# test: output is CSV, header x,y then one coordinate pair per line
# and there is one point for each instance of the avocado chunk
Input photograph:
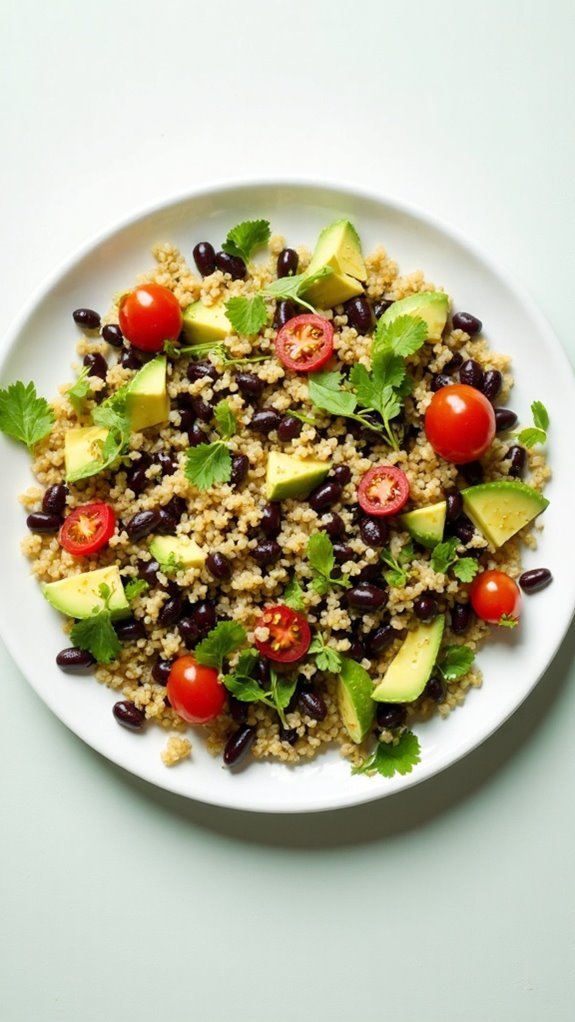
x,y
288,476
203,324
426,524
410,669
339,249
354,691
431,306
501,509
79,595
176,551
82,447
147,401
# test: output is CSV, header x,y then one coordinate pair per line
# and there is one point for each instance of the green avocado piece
x,y
339,248
177,550
502,508
431,306
147,400
82,447
410,669
426,524
79,595
288,476
354,691
206,323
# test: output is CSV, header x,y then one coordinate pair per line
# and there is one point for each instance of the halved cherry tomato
x,y
305,343
495,595
460,423
383,490
150,315
195,691
289,634
87,529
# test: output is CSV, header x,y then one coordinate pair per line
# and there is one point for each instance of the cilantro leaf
x,y
282,689
247,315
96,635
111,416
226,422
396,575
403,336
291,288
455,662
536,434
303,418
465,568
293,595
326,659
443,555
244,687
224,639
326,393
208,464
23,415
321,557
135,587
391,759
79,391
243,239
540,415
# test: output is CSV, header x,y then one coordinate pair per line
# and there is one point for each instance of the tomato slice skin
x,y
305,343
460,423
383,490
195,692
87,529
290,634
495,595
150,315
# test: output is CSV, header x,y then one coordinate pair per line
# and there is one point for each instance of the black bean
x,y
250,384
464,529
201,371
505,419
439,380
471,373
341,474
460,618
287,263
238,709
171,612
240,468
167,464
129,359
204,258
435,689
454,362
285,311
96,365
324,495
472,471
391,715
86,318
167,524
359,314
380,638
366,596
231,264
271,521
161,671
39,521
204,617
113,335
535,579
373,531
142,524
342,553
54,499
74,660
264,421
196,435
381,306
356,649
202,409
187,420
176,506
371,573
128,715
492,383
189,633
148,571
266,552
239,744
136,479
219,566
333,525
288,734
426,607
262,672
454,505
289,428
465,321
130,630
518,458
312,705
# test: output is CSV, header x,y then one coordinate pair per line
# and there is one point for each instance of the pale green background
x,y
454,901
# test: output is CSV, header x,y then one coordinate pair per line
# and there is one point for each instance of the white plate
x,y
42,346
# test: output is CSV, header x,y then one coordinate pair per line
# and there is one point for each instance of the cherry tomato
x,y
150,315
383,490
460,423
494,595
305,343
195,691
87,529
289,634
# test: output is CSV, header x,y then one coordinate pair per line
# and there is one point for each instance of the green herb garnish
x,y
396,575
96,633
226,422
208,464
326,659
23,415
455,662
241,684
393,758
444,557
135,587
243,239
223,640
293,595
249,315
321,557
536,434
111,416
79,391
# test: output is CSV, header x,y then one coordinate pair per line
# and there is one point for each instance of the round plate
x,y
42,347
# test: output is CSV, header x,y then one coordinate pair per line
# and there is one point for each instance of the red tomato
x,y
195,691
494,595
87,529
289,634
460,423
305,343
383,490
150,315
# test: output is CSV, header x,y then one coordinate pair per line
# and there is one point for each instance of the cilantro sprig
x,y
23,415
293,595
241,684
211,463
326,658
321,557
134,588
396,574
455,662
223,640
79,391
243,239
111,416
444,557
398,757
216,348
536,434
96,634
249,315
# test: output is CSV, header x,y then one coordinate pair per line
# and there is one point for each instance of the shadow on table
x,y
387,817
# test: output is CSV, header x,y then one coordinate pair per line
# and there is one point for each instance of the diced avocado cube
x,y
431,306
203,324
288,476
80,595
176,551
354,698
333,289
338,248
82,447
502,508
147,400
410,669
426,524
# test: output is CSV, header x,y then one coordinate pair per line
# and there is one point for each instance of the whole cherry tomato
x,y
460,423
150,315
195,691
495,597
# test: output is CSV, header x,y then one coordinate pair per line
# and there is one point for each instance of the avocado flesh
x,y
338,247
79,595
501,509
354,698
82,447
288,476
410,669
147,400
179,549
203,324
426,524
333,289
430,306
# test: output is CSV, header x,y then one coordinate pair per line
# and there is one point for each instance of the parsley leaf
x,y
224,639
79,391
23,415
444,556
455,662
326,659
293,595
391,759
135,587
226,422
244,238
247,315
321,557
207,464
536,434
96,634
